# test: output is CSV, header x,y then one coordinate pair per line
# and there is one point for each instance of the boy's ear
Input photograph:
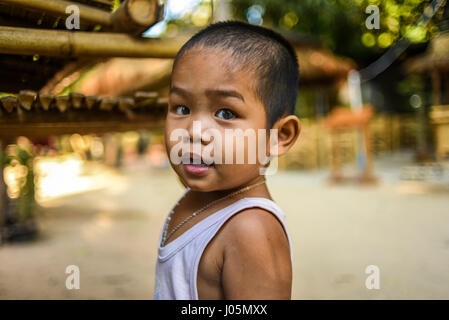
x,y
288,128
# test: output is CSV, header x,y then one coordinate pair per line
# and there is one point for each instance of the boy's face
x,y
209,88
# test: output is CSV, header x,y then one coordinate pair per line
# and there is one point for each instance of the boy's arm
x,y
256,257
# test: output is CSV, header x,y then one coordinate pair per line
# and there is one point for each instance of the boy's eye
x,y
181,110
225,114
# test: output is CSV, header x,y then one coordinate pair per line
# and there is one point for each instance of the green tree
x,y
340,24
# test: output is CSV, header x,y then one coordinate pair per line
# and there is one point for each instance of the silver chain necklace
x,y
165,237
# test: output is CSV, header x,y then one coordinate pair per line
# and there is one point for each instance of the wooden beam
x,y
57,43
133,16
9,130
136,16
40,115
87,13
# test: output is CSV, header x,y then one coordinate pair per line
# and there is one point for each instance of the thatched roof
x,y
437,56
319,65
121,76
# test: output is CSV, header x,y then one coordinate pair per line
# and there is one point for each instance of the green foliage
x,y
115,5
340,24
25,204
397,19
411,85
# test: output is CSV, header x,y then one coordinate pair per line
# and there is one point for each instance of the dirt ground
x,y
111,234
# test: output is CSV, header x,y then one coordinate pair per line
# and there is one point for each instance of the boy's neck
x,y
258,191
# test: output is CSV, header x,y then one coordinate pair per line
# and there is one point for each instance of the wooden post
x,y
446,89
436,85
367,175
336,175
342,119
3,195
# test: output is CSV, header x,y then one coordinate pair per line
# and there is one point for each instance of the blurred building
x,y
434,63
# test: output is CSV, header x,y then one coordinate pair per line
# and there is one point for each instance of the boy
x,y
225,238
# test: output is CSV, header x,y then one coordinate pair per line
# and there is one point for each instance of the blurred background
x,y
85,180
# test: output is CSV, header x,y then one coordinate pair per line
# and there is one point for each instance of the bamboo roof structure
x,y
35,44
38,52
39,57
35,114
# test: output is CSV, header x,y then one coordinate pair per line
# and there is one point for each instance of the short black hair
x,y
264,51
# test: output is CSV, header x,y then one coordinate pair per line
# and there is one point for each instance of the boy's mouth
x,y
195,164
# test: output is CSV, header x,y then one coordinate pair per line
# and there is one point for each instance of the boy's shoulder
x,y
256,259
253,228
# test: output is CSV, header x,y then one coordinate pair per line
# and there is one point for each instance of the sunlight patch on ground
x,y
61,176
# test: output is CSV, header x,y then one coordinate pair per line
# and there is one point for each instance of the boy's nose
x,y
196,130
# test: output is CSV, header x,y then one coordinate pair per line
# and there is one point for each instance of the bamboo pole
x,y
76,44
136,16
87,13
133,16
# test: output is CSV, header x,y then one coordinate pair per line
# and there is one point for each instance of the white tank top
x,y
177,263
